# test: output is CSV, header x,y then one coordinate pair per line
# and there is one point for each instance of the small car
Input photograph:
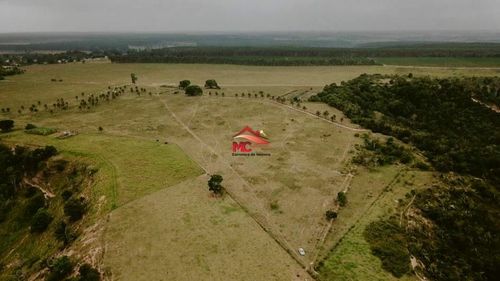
x,y
302,252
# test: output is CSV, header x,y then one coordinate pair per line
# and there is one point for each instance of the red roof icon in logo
x,y
251,135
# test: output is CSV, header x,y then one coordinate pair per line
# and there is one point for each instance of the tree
x,y
134,78
75,208
341,198
326,113
6,125
193,90
34,204
41,220
184,83
211,84
61,268
88,273
63,233
214,184
330,215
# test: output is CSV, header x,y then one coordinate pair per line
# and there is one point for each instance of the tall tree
x,y
214,184
134,78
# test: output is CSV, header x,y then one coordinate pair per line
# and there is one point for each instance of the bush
x,y
387,242
29,126
331,215
61,268
274,205
41,131
184,84
6,125
64,233
193,90
66,194
341,198
75,208
211,84
41,220
88,273
214,184
34,203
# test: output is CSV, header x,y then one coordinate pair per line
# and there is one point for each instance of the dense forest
x,y
455,236
300,55
259,55
243,56
438,116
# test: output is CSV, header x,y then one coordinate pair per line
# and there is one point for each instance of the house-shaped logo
x,y
246,137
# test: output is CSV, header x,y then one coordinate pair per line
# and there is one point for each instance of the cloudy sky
x,y
248,15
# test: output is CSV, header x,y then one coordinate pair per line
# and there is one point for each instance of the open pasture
x,y
154,150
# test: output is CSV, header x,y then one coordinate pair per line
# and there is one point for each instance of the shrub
x,y
75,208
64,233
29,126
193,90
41,220
330,215
41,131
61,268
6,125
274,205
34,203
184,83
211,84
66,194
214,184
341,198
88,273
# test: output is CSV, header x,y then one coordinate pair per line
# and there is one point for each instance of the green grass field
x,y
154,150
133,167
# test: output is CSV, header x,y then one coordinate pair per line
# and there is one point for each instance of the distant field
x,y
35,85
441,61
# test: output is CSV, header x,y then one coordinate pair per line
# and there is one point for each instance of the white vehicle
x,y
302,252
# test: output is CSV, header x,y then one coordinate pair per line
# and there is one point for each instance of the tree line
x,y
301,55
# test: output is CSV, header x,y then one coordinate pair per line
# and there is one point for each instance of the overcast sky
x,y
248,15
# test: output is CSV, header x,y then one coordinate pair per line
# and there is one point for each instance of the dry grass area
x,y
290,190
184,233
